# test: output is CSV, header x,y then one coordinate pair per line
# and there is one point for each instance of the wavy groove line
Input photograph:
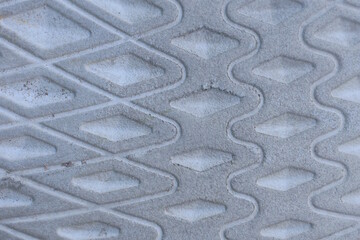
x,y
329,162
252,146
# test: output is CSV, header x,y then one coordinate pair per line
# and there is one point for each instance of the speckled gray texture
x,y
179,119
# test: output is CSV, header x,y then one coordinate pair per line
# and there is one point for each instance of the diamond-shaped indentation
x,y
104,182
89,231
271,11
116,128
286,125
286,179
342,31
283,69
21,200
25,147
195,210
352,147
286,229
94,225
36,92
349,91
205,103
205,43
125,70
131,12
10,198
202,159
352,197
45,28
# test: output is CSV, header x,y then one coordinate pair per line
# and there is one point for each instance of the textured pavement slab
x,y
179,119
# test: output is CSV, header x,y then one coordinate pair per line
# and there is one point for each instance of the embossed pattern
x,y
176,119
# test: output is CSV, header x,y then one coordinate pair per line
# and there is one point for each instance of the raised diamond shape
x,y
285,179
271,11
283,69
36,92
349,91
286,229
125,70
206,102
286,125
25,147
116,128
341,31
205,43
89,231
45,28
202,159
131,12
195,210
352,147
352,198
10,198
104,182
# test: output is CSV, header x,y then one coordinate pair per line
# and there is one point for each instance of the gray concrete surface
x,y
179,119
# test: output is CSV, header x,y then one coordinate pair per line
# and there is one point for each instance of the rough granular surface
x,y
179,119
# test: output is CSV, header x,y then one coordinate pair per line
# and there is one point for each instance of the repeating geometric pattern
x,y
177,119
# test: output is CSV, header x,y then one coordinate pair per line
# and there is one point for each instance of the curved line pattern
x,y
252,146
166,26
88,205
332,163
255,148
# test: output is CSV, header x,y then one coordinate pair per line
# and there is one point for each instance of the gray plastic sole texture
x,y
179,119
